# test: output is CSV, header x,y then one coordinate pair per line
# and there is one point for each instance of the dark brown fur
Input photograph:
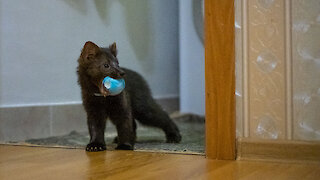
x,y
134,103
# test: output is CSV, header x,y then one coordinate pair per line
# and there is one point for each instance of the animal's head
x,y
97,63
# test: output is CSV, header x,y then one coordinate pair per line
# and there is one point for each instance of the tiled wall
x,y
278,69
21,123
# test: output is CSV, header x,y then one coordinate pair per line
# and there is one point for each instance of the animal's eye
x,y
106,65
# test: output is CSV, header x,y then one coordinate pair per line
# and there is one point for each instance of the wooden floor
x,y
20,162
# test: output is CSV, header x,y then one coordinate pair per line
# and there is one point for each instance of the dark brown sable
x,y
135,102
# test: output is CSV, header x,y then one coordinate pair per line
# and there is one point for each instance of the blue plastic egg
x,y
114,86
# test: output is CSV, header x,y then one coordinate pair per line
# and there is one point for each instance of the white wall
x,y
192,89
40,41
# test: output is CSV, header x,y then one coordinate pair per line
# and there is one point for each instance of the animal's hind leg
x,y
152,114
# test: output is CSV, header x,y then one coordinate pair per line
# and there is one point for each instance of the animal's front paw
x,y
173,137
94,147
124,146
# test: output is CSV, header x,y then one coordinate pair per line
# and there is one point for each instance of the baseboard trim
x,y
279,150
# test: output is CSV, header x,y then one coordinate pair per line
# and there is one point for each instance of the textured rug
x,y
148,139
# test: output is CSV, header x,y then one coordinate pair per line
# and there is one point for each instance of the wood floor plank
x,y
20,162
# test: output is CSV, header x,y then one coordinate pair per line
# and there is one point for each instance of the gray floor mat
x,y
148,139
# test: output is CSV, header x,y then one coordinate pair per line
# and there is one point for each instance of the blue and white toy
x,y
114,86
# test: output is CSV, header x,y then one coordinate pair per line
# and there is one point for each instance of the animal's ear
x,y
113,49
89,51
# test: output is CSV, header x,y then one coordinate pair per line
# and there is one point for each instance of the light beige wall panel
x,y
238,68
306,69
266,69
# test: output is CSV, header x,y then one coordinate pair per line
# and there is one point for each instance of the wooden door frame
x,y
220,79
